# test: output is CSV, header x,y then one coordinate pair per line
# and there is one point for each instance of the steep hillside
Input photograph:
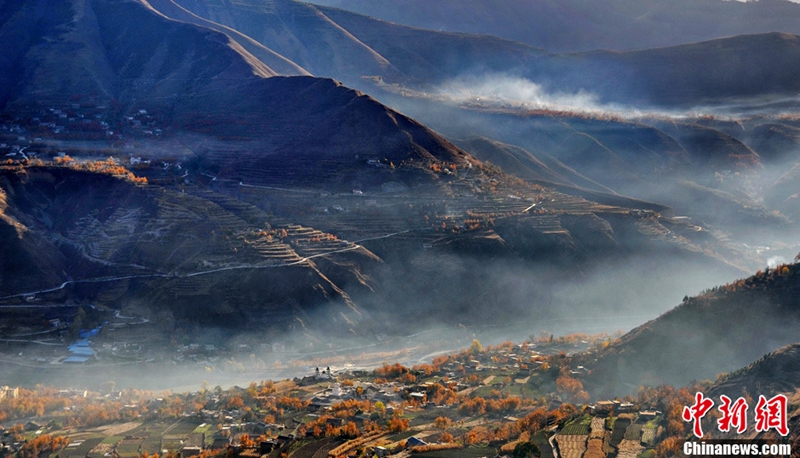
x,y
776,372
350,47
116,49
275,61
721,330
370,54
704,168
128,244
525,164
578,25
296,31
708,72
202,86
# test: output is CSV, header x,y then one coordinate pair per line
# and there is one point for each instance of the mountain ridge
x,y
721,330
575,25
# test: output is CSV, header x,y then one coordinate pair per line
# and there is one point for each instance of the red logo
x,y
733,415
696,412
772,414
769,414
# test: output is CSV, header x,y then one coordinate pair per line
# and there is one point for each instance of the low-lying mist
x,y
489,300
510,92
506,91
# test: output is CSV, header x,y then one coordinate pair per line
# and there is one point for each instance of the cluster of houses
x,y
73,120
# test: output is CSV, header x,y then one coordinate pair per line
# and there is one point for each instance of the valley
x,y
334,205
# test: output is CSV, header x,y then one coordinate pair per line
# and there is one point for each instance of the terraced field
x,y
649,434
571,446
629,449
634,432
579,426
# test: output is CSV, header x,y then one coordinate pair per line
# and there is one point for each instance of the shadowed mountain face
x,y
201,83
579,25
117,244
282,198
721,330
362,51
468,86
776,372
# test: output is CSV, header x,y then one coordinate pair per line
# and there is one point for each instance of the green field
x,y
634,432
129,448
578,426
202,428
186,427
85,447
153,443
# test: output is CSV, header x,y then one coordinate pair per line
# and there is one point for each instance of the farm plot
x,y
649,434
119,429
102,449
172,442
184,428
129,448
152,444
579,427
316,448
629,449
594,448
598,427
571,446
633,432
618,433
83,448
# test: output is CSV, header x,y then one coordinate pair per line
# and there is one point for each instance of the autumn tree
x,y
245,441
671,446
235,402
442,422
397,425
350,430
475,347
571,388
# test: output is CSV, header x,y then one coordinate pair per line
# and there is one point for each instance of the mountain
x,y
109,241
351,47
709,72
335,43
537,168
775,372
718,331
275,201
578,25
470,85
122,57
370,54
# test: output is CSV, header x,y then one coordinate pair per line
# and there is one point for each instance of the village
x,y
479,402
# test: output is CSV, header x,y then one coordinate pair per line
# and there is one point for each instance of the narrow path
x,y
354,246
